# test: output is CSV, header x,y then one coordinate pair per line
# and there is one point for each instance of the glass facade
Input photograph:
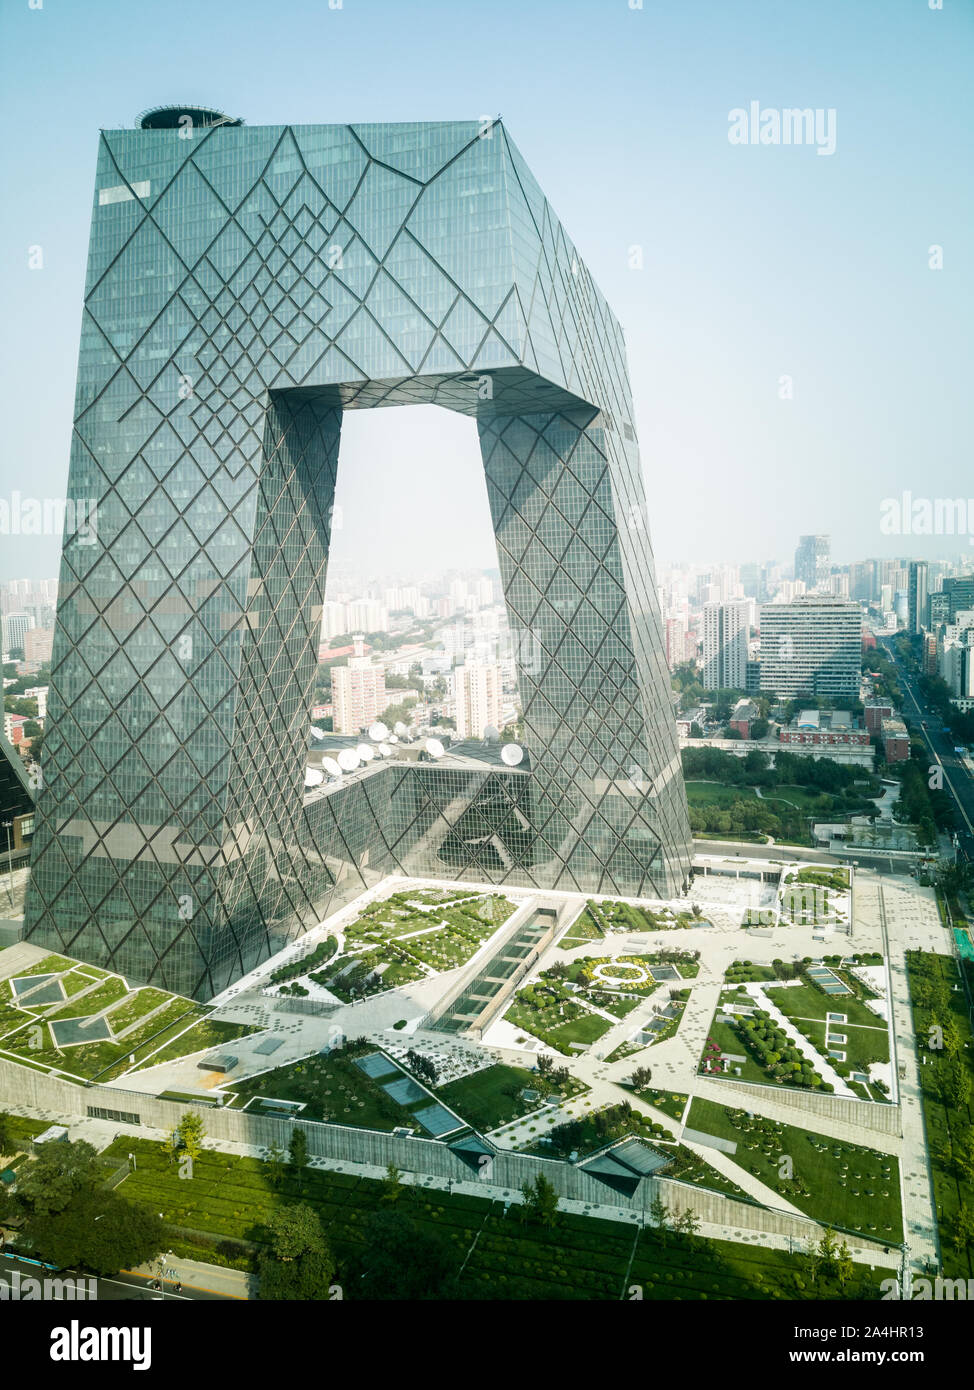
x,y
245,287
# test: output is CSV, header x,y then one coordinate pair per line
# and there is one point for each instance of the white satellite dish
x,y
492,733
313,777
348,760
434,748
384,750
393,738
317,733
331,767
366,752
400,728
377,732
512,754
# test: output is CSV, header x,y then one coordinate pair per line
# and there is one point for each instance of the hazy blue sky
x,y
758,261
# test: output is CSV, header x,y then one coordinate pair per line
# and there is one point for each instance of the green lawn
x,y
808,1001
492,1097
836,1183
945,1121
581,1258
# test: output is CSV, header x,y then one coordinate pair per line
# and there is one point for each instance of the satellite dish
x,y
366,752
434,748
331,767
400,728
512,754
412,731
348,760
377,732
313,777
492,734
384,750
393,738
317,733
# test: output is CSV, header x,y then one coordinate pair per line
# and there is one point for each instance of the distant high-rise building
x,y
917,596
812,561
358,693
725,633
675,633
812,646
368,615
478,699
37,645
15,627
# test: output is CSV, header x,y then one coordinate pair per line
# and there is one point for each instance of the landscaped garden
x,y
548,1010
408,936
130,1033
839,1184
231,1199
620,916
333,1087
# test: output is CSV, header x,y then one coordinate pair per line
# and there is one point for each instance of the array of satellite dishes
x,y
381,745
512,754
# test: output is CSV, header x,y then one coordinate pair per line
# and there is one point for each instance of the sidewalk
x,y
207,1278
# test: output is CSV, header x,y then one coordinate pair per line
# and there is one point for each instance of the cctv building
x,y
245,286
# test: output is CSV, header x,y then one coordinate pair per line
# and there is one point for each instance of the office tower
x,y
725,634
862,580
812,561
812,646
478,692
358,694
245,287
917,596
960,594
15,628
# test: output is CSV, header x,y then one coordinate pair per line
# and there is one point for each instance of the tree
x,y
275,1164
687,1223
192,1133
545,1063
844,1267
659,1211
540,1201
641,1078
299,1264
97,1230
392,1188
298,1149
964,1228
58,1173
6,1135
